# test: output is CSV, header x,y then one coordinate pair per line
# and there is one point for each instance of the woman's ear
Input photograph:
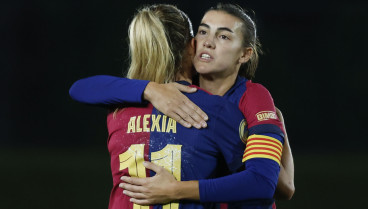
x,y
247,54
193,44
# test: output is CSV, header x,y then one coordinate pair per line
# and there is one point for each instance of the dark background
x,y
53,150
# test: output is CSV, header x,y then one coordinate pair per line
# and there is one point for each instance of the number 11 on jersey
x,y
169,158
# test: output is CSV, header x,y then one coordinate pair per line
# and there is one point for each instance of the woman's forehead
x,y
221,19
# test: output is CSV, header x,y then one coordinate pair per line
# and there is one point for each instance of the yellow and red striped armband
x,y
261,146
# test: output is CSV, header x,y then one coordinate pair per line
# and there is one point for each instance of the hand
x,y
158,189
168,99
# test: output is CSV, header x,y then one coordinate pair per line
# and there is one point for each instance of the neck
x,y
184,76
217,85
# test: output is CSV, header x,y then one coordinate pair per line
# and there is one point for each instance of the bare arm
x,y
169,99
285,186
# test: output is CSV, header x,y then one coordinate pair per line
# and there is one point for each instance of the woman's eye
x,y
224,37
202,32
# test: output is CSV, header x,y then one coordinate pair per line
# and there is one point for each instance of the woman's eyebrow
x,y
204,25
226,29
219,29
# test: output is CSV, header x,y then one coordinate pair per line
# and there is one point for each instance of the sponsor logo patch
x,y
266,115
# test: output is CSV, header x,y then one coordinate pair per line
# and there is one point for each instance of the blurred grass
x,y
56,178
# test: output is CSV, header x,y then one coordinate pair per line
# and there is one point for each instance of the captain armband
x,y
261,146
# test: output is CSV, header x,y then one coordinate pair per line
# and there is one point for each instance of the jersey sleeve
x,y
257,181
258,108
108,90
261,157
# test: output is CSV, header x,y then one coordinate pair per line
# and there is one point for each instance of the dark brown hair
x,y
250,39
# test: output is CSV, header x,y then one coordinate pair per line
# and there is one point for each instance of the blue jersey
x,y
256,104
254,186
143,133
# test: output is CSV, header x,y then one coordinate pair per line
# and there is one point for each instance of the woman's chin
x,y
203,71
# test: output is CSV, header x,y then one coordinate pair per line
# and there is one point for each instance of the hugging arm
x,y
106,90
258,181
163,187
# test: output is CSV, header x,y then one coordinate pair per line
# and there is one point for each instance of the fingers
x,y
191,112
184,88
132,188
135,195
142,201
195,113
179,119
157,169
188,112
169,99
180,115
134,180
184,118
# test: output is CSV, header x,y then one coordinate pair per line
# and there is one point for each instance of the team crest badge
x,y
243,130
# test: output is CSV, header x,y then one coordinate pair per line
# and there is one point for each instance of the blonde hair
x,y
158,35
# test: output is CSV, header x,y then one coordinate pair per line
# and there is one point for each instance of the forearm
x,y
245,185
186,190
285,186
225,189
107,90
257,181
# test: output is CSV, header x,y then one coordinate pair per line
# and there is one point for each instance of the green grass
x,y
80,178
